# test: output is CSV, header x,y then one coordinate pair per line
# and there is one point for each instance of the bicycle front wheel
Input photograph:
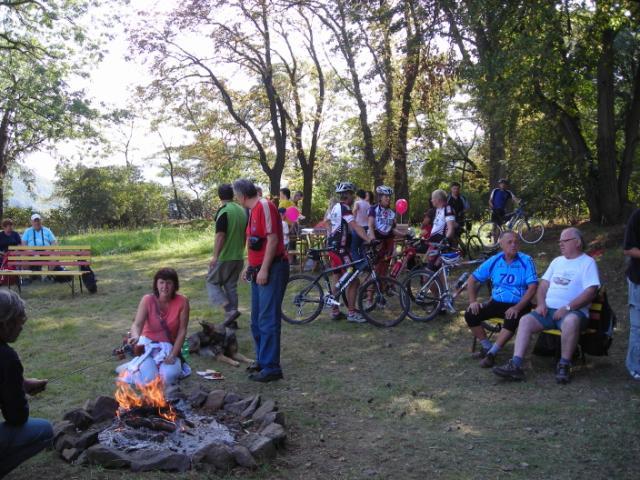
x,y
424,292
382,301
489,232
531,230
303,300
473,247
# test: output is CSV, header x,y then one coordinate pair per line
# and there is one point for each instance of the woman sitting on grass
x,y
21,437
158,332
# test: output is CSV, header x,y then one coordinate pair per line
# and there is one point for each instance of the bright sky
x,y
111,83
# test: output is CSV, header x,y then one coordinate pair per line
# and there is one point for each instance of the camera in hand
x,y
255,243
250,273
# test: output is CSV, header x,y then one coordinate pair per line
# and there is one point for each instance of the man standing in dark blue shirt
x,y
632,250
498,201
21,437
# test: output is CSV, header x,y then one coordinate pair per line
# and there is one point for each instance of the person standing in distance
x,y
227,261
498,201
268,271
632,250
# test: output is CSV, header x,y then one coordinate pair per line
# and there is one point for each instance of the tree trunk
x,y
610,207
2,177
496,150
631,139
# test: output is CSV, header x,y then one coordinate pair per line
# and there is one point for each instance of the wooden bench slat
x,y
53,273
48,253
75,263
50,247
18,258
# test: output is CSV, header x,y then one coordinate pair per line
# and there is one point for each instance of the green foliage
x,y
110,196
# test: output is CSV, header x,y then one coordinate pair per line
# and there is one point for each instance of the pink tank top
x,y
153,327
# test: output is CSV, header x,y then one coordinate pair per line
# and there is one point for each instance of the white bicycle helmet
x,y
345,187
384,190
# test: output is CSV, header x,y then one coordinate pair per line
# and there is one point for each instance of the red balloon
x,y
402,206
292,214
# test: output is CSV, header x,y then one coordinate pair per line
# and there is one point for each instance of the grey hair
x,y
441,194
504,233
579,236
11,307
245,187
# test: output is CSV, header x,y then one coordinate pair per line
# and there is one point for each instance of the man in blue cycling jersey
x,y
513,284
498,201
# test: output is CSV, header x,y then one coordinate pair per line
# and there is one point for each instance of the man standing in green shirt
x,y
227,262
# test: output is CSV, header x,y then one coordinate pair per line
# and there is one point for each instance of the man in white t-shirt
x,y
563,298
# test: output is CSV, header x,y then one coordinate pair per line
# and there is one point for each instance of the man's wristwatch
x,y
567,307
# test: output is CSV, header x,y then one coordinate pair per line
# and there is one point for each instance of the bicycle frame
x,y
330,298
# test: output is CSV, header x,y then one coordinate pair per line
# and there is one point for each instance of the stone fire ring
x,y
260,423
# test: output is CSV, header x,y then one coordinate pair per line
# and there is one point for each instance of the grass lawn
x,y
360,402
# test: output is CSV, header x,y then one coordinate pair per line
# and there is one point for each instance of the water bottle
x,y
462,279
185,351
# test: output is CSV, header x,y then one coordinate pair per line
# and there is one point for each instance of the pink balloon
x,y
402,206
292,214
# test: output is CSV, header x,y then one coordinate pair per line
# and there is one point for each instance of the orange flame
x,y
149,395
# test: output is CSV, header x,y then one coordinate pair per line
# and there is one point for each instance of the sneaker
x,y
356,317
563,373
488,361
266,377
509,371
338,315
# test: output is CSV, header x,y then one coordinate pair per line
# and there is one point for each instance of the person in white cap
x,y
38,235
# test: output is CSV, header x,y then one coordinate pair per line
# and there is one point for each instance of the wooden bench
x,y
72,258
494,325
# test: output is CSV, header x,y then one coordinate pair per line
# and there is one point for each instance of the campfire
x,y
146,427
145,406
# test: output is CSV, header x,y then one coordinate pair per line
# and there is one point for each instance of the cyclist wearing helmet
x,y
498,201
342,223
382,223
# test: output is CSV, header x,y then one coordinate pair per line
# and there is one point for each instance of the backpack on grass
x,y
89,279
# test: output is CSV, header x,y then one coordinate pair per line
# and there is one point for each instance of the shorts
x,y
549,323
493,309
497,215
337,259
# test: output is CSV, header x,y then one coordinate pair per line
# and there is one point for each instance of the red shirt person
x,y
268,272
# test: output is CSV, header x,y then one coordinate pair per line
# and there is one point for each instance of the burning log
x,y
152,423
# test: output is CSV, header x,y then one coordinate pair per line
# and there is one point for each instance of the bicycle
x,y
429,292
470,244
381,300
529,230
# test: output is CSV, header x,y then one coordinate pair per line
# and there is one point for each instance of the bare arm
x,y
632,252
541,295
451,229
512,312
217,247
272,243
372,226
582,300
182,332
138,322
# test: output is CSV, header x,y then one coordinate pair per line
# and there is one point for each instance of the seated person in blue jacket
x,y
37,235
513,284
21,437
8,236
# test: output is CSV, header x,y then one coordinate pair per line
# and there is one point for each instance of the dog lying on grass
x,y
219,342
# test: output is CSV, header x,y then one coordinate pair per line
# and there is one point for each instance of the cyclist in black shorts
x,y
498,201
